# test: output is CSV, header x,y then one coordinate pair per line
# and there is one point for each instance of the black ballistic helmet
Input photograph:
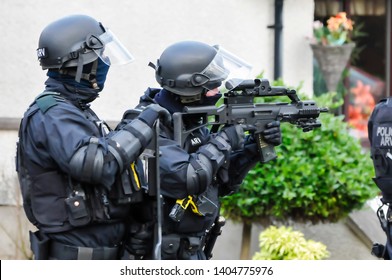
x,y
77,40
189,68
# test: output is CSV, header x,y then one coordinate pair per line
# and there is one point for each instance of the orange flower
x,y
361,106
340,20
337,32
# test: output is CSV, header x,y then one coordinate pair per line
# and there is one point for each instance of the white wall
x,y
9,193
146,28
297,55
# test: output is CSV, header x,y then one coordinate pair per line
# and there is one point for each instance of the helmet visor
x,y
113,51
225,65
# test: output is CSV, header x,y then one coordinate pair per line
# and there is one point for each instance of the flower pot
x,y
332,60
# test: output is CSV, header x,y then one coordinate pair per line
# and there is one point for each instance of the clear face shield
x,y
226,66
110,50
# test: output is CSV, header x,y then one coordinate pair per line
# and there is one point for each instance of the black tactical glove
x,y
235,135
154,111
272,134
140,240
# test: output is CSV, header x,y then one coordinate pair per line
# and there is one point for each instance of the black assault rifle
x,y
239,107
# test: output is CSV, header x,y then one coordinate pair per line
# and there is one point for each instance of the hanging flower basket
x,y
332,59
332,46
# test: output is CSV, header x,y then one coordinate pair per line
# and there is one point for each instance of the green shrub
x,y
320,175
285,244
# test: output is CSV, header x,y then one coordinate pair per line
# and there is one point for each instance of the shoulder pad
x,y
47,100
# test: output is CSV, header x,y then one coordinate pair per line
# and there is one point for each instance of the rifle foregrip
x,y
266,151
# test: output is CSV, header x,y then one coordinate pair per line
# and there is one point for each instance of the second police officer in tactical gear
x,y
208,165
79,179
379,135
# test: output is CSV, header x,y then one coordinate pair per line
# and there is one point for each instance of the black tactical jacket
x,y
174,161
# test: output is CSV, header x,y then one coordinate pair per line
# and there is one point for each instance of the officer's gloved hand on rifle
x,y
272,134
234,134
140,241
154,111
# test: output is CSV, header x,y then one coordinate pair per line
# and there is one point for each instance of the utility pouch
x,y
177,212
39,244
170,246
77,210
189,247
128,185
205,206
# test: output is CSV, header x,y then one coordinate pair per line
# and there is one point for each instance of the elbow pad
x,y
218,151
129,142
125,146
87,162
199,174
202,168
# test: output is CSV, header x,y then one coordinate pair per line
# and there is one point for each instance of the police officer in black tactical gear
x,y
379,135
208,165
79,179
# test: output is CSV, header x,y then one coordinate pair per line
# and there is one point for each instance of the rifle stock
x,y
239,107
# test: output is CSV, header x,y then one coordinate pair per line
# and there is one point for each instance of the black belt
x,y
61,251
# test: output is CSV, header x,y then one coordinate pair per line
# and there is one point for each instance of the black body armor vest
x,y
54,202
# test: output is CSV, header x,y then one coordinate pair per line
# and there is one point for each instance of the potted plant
x,y
332,46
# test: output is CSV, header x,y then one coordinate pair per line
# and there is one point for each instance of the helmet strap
x,y
79,69
93,75
90,76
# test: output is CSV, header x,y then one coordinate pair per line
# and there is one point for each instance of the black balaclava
x,y
87,90
102,72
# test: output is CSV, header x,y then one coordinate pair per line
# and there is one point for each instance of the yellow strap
x,y
194,207
184,203
133,168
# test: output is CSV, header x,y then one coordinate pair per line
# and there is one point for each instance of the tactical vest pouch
x,y
170,246
205,206
128,186
385,185
48,192
78,213
176,247
189,247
